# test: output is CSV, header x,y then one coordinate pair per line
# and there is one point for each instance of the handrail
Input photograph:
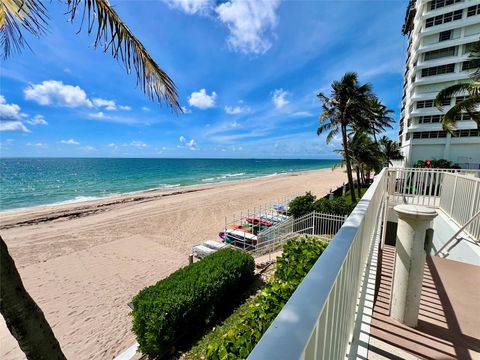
x,y
318,319
456,234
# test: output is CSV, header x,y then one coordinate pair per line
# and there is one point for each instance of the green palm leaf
x,y
113,34
15,15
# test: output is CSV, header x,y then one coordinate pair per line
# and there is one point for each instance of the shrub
x,y
337,206
302,205
297,259
307,203
186,301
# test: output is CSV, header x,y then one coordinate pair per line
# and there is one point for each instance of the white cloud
x,y
235,110
11,117
192,6
124,107
37,120
13,126
52,92
107,104
278,98
113,146
98,115
186,111
202,100
38,145
146,109
192,145
87,148
9,111
249,21
138,144
302,114
70,142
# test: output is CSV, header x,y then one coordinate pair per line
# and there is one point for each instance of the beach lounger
x,y
274,217
200,251
215,245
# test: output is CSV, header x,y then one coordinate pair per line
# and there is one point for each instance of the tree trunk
x,y
349,165
359,184
23,317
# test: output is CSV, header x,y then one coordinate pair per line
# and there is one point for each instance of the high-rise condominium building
x,y
441,34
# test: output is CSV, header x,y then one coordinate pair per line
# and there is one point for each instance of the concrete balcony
x,y
342,307
448,326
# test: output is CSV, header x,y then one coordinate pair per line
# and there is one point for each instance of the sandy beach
x,y
83,262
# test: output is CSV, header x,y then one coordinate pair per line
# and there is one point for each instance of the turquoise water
x,y
34,182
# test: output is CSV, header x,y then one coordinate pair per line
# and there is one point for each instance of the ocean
x,y
41,181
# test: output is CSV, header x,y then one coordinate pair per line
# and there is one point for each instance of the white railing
x,y
460,200
314,223
318,320
420,186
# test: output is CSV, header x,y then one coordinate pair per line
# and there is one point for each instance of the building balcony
x,y
445,329
342,307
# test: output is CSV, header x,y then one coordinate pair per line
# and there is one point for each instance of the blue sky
x,y
247,74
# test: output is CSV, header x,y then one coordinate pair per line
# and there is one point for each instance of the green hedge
x,y
297,259
186,301
307,203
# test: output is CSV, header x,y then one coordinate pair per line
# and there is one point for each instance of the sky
x,y
247,73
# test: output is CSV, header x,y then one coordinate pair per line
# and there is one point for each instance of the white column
x,y
413,223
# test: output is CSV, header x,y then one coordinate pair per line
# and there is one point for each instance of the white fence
x,y
460,200
314,223
318,320
420,186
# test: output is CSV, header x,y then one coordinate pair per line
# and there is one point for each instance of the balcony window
x,y
463,117
429,134
429,119
469,47
440,53
422,104
438,70
437,4
445,35
473,10
459,98
466,133
444,18
470,65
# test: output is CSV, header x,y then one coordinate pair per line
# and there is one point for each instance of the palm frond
x,y
449,92
15,15
469,106
113,34
331,135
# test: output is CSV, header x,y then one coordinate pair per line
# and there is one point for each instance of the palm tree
x,y
365,156
469,89
111,33
390,150
344,110
380,117
22,315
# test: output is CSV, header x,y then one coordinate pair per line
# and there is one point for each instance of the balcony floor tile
x,y
449,318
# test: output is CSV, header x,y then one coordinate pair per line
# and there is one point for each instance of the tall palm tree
x,y
469,89
345,109
111,33
390,150
23,317
380,117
